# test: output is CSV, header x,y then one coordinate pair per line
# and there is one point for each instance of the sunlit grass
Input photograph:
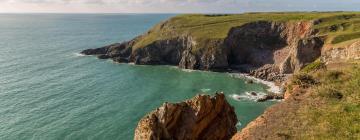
x,y
342,26
332,111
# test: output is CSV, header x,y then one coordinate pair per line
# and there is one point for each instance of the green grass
x,y
332,111
316,65
339,25
345,37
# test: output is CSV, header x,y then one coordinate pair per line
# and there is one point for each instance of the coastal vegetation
x,y
332,108
336,26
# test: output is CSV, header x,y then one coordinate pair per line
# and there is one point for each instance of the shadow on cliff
x,y
253,45
283,47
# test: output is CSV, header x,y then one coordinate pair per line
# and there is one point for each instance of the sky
x,y
174,6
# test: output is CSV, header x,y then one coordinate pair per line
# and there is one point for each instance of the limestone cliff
x,y
202,117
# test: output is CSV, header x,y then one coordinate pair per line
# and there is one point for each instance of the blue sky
x,y
174,6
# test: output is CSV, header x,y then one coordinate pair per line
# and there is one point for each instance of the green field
x,y
336,26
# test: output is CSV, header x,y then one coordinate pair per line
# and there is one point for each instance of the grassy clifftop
x,y
331,109
337,27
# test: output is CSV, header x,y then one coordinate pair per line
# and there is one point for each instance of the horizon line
x,y
175,12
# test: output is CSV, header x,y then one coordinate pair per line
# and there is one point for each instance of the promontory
x,y
313,55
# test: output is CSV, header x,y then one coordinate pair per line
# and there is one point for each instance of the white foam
x,y
272,87
205,90
188,70
248,96
79,54
236,97
238,124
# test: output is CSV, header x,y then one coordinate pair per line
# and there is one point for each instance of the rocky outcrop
x,y
271,49
161,52
264,49
341,54
212,57
202,117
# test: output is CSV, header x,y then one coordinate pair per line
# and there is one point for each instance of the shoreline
x,y
272,87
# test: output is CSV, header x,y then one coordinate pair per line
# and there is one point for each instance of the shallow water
x,y
48,91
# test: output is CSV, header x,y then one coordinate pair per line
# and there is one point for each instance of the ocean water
x,y
48,91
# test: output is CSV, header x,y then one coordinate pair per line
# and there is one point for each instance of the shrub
x,y
316,65
333,75
303,80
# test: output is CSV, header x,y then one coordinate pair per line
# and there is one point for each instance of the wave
x,y
79,54
253,96
272,86
238,124
205,90
188,70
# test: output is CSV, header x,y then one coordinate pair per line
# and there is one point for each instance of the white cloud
x,y
195,6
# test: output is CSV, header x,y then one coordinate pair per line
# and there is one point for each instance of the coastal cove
x,y
48,91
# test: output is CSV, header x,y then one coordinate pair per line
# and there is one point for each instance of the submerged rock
x,y
253,93
202,117
271,96
249,82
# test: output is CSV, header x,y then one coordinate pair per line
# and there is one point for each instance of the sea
x,y
48,91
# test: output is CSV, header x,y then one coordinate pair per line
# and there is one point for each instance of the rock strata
x,y
202,117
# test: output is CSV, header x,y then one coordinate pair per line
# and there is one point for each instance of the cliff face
x,y
341,54
265,49
272,48
202,117
267,46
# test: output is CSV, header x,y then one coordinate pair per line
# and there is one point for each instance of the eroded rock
x,y
202,117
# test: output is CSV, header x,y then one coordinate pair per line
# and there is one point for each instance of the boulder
x,y
271,96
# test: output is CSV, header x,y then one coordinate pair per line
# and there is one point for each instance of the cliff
x,y
269,46
322,103
202,117
266,45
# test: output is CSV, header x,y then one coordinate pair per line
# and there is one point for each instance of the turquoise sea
x,y
49,92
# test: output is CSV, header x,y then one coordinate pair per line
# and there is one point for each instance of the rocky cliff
x,y
265,49
266,45
202,117
350,51
269,49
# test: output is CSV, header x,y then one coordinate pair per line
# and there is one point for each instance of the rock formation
x,y
202,117
341,54
264,49
269,49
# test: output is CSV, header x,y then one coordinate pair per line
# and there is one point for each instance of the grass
x,y
341,26
345,37
332,111
316,65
